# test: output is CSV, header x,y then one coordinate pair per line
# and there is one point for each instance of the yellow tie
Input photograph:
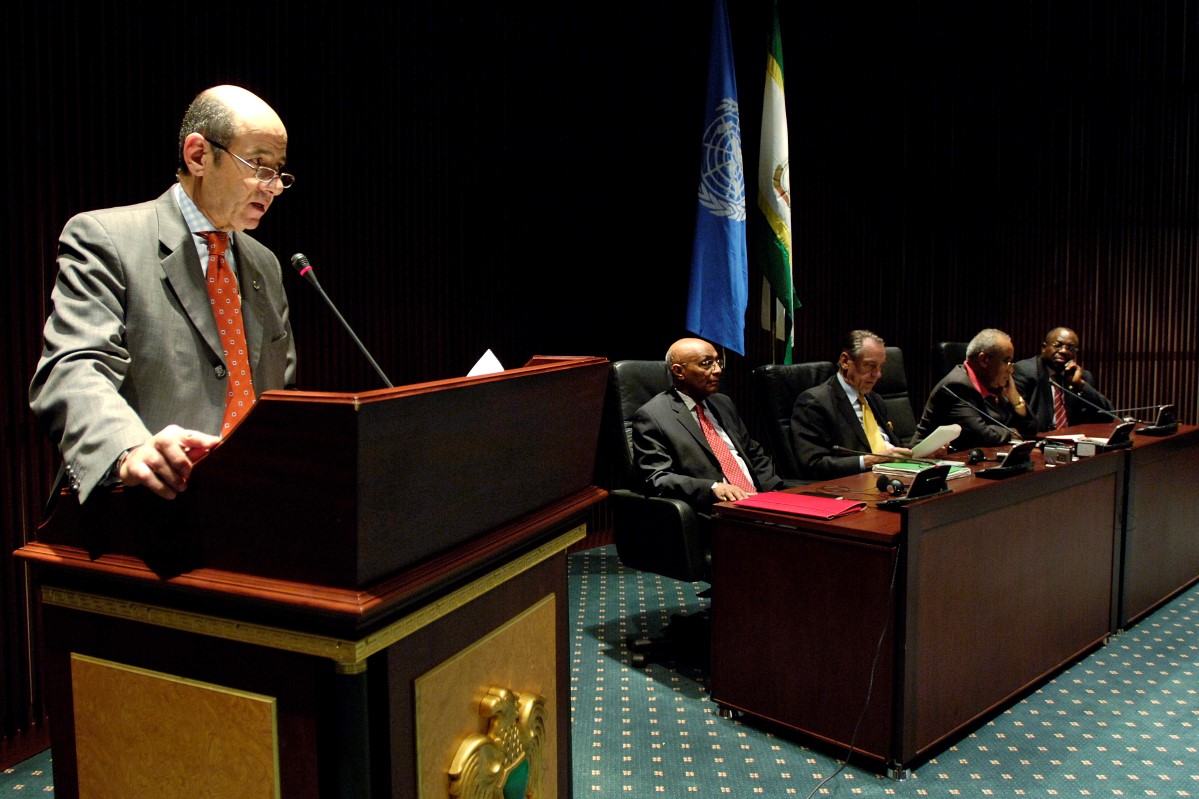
x,y
877,445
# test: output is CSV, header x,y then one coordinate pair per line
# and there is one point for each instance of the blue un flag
x,y
719,289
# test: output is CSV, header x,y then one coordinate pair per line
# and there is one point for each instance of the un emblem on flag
x,y
722,173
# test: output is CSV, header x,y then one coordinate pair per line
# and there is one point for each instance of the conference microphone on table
x,y
301,264
846,451
1068,393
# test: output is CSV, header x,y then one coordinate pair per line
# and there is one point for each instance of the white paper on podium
x,y
487,365
936,439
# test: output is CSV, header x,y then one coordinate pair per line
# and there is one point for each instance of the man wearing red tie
x,y
149,358
689,441
1059,390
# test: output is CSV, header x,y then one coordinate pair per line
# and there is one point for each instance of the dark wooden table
x,y
890,632
1161,519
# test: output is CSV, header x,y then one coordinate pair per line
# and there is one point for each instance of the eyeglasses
x,y
708,364
266,176
1063,345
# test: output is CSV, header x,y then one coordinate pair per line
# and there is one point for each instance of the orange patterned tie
x,y
733,472
226,309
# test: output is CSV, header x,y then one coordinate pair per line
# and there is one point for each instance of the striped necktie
x,y
1059,409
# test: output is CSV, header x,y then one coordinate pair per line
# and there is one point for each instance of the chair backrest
x,y
944,356
893,388
656,534
630,385
777,386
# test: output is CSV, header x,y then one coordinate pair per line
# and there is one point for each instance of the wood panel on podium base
x,y
375,629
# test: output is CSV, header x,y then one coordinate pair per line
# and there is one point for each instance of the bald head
x,y
688,348
694,367
223,113
229,136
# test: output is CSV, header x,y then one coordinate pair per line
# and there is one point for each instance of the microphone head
x,y
977,456
301,264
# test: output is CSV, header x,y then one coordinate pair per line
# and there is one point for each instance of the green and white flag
x,y
774,199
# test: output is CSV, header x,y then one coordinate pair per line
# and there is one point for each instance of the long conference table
x,y
886,633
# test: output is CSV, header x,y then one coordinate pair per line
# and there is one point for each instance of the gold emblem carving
x,y
504,763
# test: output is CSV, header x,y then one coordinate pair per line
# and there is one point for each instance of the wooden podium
x,y
387,617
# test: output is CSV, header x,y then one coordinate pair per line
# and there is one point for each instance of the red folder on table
x,y
802,504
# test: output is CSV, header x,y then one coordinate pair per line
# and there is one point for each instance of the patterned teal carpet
x,y
1123,722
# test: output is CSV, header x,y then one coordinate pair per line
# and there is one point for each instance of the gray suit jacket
x,y
130,345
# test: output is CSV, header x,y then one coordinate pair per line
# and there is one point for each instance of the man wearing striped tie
x,y
1060,391
845,412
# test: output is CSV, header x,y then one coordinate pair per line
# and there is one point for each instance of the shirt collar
x,y
687,400
986,392
198,223
850,391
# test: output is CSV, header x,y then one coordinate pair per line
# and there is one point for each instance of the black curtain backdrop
x,y
519,178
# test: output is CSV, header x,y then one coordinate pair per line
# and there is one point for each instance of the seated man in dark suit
x,y
845,412
680,459
1058,363
980,396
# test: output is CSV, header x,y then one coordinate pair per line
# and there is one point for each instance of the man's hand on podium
x,y
164,463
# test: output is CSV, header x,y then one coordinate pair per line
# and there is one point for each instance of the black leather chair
x,y
944,356
893,388
660,535
777,386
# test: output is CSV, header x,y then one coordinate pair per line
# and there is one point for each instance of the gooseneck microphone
x,y
301,264
1015,434
1067,393
1121,411
846,451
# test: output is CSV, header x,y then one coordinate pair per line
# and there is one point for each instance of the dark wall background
x,y
523,179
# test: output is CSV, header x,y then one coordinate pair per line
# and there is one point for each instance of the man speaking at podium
x,y
980,396
137,378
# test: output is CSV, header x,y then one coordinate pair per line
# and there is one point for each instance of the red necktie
x,y
226,309
733,472
1059,409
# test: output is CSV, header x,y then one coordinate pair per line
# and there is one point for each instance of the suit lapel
x,y
688,421
1045,397
729,430
254,304
181,270
852,422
